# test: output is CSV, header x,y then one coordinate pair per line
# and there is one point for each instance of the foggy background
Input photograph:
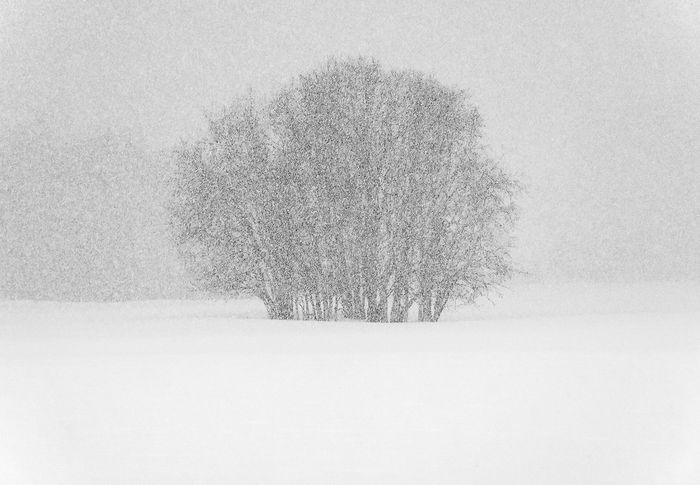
x,y
595,106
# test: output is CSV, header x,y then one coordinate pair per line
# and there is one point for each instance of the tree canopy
x,y
354,191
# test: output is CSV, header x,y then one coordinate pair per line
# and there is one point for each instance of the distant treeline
x,y
83,218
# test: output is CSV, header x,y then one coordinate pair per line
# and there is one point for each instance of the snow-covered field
x,y
559,385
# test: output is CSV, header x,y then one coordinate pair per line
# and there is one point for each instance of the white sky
x,y
596,104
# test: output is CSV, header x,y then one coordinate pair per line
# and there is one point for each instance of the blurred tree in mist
x,y
81,219
354,190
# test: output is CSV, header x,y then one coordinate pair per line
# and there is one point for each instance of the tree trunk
x,y
425,308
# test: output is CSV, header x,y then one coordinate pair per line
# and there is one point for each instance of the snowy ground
x,y
555,385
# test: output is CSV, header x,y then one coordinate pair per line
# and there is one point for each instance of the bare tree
x,y
355,190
